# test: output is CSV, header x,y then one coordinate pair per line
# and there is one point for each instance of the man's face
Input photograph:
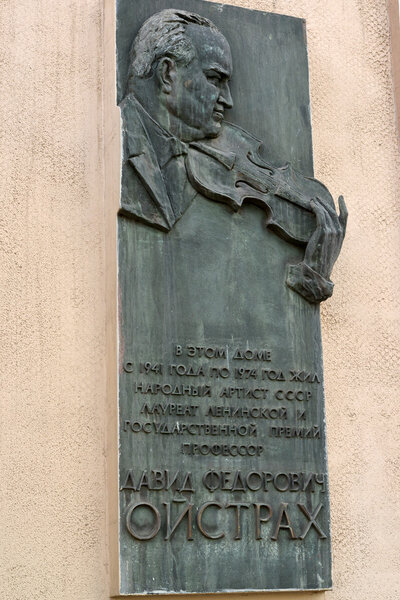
x,y
201,91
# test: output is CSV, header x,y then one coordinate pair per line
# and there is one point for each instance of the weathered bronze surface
x,y
225,252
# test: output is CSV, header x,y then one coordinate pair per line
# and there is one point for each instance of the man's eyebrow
x,y
218,69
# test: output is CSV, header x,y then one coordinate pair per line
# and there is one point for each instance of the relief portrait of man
x,y
178,143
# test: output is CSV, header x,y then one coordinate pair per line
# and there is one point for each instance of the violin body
x,y
230,169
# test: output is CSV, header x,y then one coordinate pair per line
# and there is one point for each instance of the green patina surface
x,y
218,280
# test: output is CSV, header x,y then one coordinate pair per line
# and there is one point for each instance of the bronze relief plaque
x,y
226,245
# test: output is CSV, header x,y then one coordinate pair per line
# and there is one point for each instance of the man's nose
x,y
225,97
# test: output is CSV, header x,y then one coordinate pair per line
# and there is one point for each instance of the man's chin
x,y
192,134
214,130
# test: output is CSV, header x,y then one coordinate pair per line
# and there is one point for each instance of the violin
x,y
230,169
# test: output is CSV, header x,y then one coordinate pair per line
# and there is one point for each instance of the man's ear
x,y
166,74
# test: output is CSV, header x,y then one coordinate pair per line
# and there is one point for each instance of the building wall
x,y
59,180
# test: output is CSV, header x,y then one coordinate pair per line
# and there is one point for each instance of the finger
x,y
331,222
331,214
343,214
319,212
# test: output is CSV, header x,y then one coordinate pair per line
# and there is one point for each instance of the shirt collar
x,y
165,144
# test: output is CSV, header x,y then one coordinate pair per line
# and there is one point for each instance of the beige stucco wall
x,y
57,276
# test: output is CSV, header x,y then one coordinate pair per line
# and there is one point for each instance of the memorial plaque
x,y
226,245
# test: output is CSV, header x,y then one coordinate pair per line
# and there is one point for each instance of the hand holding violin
x,y
324,246
310,278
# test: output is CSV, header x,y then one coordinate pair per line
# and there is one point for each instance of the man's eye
x,y
213,79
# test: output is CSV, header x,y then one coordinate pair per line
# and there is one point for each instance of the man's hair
x,y
164,34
